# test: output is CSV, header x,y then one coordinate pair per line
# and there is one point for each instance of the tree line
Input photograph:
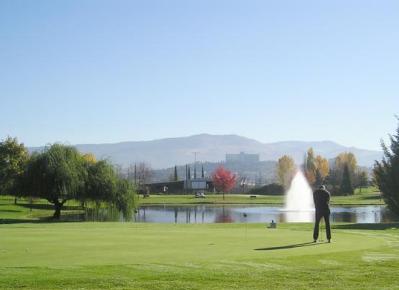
x,y
342,173
60,173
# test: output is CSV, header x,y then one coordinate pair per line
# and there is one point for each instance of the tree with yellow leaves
x,y
316,168
285,170
346,158
344,164
90,158
310,166
322,165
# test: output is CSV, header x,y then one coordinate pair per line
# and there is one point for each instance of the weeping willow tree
x,y
104,185
57,174
386,173
60,173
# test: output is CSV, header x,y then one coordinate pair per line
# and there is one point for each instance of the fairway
x,y
196,256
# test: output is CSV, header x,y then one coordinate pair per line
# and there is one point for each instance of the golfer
x,y
321,198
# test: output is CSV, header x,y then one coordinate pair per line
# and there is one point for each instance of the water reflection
x,y
97,215
297,216
235,214
256,214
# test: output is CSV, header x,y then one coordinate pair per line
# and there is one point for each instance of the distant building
x,y
199,184
166,187
242,157
181,187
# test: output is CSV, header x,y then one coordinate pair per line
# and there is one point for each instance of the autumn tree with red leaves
x,y
223,180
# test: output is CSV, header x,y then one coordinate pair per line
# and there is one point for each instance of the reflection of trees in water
x,y
224,216
229,214
348,217
189,213
375,214
388,216
282,217
106,214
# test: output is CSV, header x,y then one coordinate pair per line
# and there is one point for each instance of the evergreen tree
x,y
386,173
346,183
175,177
363,179
202,172
135,174
346,159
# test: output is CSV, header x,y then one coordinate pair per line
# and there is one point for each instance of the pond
x,y
242,214
257,214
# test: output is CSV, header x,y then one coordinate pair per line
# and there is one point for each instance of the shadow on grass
x,y
10,210
372,197
288,246
25,221
65,218
49,206
381,226
37,221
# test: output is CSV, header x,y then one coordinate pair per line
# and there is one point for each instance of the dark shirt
x,y
321,200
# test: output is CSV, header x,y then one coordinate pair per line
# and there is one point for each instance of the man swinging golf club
x,y
321,198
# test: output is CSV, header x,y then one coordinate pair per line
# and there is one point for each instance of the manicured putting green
x,y
205,256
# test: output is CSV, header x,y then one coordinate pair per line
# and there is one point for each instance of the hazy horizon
x,y
199,134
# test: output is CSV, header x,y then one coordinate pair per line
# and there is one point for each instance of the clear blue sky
x,y
109,71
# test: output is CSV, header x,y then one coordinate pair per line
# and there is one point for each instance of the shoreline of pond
x,y
258,203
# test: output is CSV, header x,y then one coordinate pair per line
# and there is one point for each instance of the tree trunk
x,y
15,200
57,207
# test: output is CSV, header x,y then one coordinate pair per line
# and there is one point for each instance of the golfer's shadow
x,y
289,246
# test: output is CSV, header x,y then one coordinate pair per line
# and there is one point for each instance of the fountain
x,y
299,205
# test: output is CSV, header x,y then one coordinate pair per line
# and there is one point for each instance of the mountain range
x,y
164,153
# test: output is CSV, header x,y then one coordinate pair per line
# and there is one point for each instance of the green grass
x,y
37,254
24,210
368,196
196,256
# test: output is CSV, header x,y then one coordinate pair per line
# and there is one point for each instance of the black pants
x,y
326,216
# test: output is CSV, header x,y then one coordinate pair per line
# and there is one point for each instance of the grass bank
x,y
368,196
30,211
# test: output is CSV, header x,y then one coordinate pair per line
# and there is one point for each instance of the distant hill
x,y
165,153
